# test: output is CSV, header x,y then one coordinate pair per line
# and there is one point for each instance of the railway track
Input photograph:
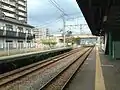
x,y
59,81
19,73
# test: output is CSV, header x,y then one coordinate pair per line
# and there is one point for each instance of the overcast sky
x,y
42,13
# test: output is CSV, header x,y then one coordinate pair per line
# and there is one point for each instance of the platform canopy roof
x,y
101,15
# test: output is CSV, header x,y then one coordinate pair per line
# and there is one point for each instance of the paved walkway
x,y
111,72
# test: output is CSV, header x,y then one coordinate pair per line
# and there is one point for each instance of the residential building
x,y
41,33
15,33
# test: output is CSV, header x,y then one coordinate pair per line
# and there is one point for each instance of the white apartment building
x,y
41,33
15,33
16,9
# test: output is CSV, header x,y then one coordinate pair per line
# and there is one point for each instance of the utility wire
x,y
75,18
51,21
57,6
61,9
57,20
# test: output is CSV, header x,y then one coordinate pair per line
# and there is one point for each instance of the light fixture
x,y
104,18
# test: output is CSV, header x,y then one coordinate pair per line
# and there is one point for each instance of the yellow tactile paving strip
x,y
99,79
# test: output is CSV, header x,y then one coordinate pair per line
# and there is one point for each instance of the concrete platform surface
x,y
98,73
22,55
111,72
85,77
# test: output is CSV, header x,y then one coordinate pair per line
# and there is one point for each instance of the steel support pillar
x,y
113,45
110,44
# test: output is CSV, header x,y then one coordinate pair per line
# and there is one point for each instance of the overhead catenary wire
x,y
55,4
56,20
73,18
58,5
53,21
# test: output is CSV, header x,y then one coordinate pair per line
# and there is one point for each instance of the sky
x,y
43,14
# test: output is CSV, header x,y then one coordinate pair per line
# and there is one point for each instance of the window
x,y
20,29
9,27
28,31
1,44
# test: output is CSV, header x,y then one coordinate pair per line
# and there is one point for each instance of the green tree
x,y
76,40
50,42
72,40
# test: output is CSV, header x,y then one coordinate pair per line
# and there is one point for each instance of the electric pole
x,y
63,30
80,29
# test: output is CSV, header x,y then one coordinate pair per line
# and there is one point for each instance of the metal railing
x,y
15,34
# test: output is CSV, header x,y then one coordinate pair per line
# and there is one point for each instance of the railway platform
x,y
11,57
84,78
99,72
12,62
111,72
11,52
